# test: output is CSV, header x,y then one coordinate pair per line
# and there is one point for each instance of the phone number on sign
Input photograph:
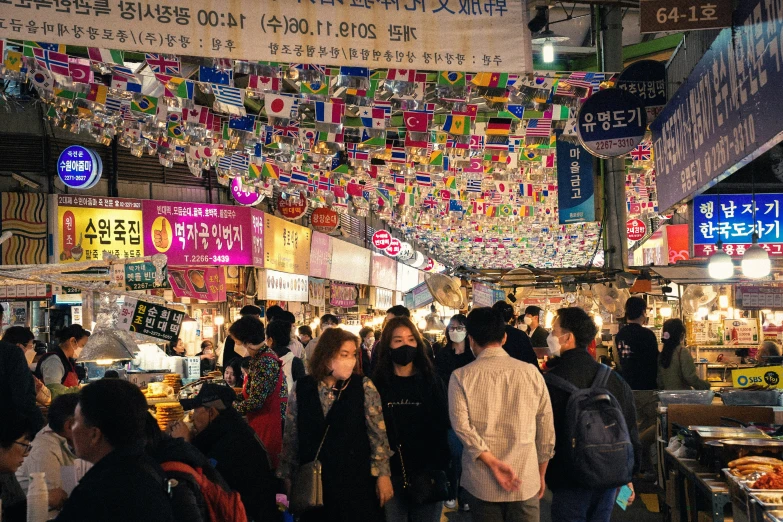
x,y
610,145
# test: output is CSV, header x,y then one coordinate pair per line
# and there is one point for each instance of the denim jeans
x,y
583,505
398,509
521,511
455,470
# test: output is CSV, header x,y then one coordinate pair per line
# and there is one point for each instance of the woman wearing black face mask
x,y
415,409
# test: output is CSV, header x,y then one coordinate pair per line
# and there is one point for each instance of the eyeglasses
x,y
27,447
456,328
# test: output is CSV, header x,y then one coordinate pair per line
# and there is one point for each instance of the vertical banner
x,y
575,193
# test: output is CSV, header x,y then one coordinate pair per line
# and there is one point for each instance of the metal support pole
x,y
616,254
114,175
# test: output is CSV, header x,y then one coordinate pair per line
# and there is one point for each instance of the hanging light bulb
x,y
548,52
755,261
723,301
720,266
666,311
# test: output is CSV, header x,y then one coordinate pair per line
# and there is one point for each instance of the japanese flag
x,y
504,187
279,106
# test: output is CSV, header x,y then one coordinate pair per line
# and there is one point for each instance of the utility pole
x,y
610,50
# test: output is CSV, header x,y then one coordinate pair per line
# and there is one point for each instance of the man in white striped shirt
x,y
500,410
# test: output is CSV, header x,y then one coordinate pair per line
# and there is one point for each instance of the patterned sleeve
x,y
380,453
261,383
289,458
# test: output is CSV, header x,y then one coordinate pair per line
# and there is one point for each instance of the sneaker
x,y
465,507
451,504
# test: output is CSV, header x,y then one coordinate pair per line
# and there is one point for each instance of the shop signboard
x,y
36,291
76,315
575,195
483,295
198,234
611,123
635,229
407,277
291,206
647,80
317,292
150,319
740,331
287,246
677,240
421,296
383,298
759,297
281,286
733,223
766,376
141,276
381,239
424,35
325,220
320,255
206,283
350,263
394,247
79,167
658,16
257,227
342,296
88,226
383,272
245,195
720,118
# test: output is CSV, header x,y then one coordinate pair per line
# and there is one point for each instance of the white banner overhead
x,y
454,35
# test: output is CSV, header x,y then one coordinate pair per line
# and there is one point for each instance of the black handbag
x,y
425,486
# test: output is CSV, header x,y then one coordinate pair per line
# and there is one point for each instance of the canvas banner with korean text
x,y
412,34
149,319
286,246
87,226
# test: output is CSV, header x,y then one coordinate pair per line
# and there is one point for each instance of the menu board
x,y
203,283
280,286
759,297
150,319
257,226
483,295
740,331
383,272
343,296
317,292
287,246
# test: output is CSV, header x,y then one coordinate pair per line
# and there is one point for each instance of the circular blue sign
x,y
611,123
79,167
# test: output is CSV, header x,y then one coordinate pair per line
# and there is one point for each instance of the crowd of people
x,y
399,427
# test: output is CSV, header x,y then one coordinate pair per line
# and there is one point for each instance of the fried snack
x,y
767,461
168,413
772,480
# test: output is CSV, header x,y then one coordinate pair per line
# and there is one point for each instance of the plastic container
x,y
686,397
37,498
740,397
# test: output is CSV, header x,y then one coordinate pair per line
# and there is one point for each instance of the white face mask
x,y
342,367
528,320
553,342
457,337
77,352
369,342
29,355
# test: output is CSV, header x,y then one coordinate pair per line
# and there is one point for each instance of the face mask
x,y
457,337
528,320
77,352
342,368
553,342
369,342
403,355
29,355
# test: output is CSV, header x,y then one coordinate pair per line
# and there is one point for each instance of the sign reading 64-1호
x,y
611,123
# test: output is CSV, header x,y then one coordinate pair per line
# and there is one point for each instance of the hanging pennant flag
x,y
30,46
125,82
474,185
401,75
416,121
51,60
164,64
79,70
373,118
539,128
229,99
281,105
504,187
476,165
97,93
417,139
459,125
13,61
145,104
299,177
453,78
216,76
184,88
514,111
270,170
264,83
362,72
97,54
498,127
318,87
42,79
243,123
423,179
329,112
558,112
489,79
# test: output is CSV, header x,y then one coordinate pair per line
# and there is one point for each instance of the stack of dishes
x,y
168,413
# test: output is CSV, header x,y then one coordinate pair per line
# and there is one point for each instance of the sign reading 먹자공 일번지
x,y
150,319
575,196
720,117
732,223
658,16
286,246
415,34
87,226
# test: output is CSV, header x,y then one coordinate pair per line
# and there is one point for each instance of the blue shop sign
x,y
731,221
725,114
79,167
647,80
575,194
611,123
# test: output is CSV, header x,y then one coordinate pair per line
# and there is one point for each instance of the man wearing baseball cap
x,y
232,447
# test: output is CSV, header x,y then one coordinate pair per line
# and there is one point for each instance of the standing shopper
x,y
455,353
536,332
17,387
637,347
339,411
517,343
228,353
23,337
575,497
367,341
265,392
415,408
499,408
278,339
57,369
676,369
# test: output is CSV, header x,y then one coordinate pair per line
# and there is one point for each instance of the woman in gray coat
x,y
676,369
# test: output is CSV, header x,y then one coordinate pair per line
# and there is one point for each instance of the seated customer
x,y
16,432
768,350
51,450
124,484
223,436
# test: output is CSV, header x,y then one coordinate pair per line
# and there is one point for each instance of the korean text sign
x,y
287,246
198,234
575,196
611,123
412,34
87,226
141,276
721,118
733,223
149,319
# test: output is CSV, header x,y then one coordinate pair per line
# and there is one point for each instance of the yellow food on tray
x,y
765,461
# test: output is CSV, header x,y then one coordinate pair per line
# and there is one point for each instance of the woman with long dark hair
x,y
415,409
676,369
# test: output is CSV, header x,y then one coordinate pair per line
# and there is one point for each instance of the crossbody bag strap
x,y
399,447
339,394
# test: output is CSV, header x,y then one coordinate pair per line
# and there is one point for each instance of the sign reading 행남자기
x,y
456,35
684,15
721,118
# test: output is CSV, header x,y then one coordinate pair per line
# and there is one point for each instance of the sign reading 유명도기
x,y
411,34
611,123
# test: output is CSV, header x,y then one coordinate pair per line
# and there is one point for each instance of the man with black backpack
x,y
597,442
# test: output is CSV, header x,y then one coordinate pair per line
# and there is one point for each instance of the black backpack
x,y
599,450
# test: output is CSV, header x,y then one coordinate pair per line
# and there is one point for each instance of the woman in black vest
x,y
417,417
57,369
355,452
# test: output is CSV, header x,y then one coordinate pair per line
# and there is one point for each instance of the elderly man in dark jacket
x,y
17,388
231,446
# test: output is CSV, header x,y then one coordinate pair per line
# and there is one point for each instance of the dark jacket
x,y
17,388
637,347
538,337
238,455
14,503
228,351
124,486
518,346
579,368
446,360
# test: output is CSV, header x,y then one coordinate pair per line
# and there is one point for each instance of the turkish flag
x,y
416,121
79,70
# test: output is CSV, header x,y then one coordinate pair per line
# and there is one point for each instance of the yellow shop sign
x,y
771,376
